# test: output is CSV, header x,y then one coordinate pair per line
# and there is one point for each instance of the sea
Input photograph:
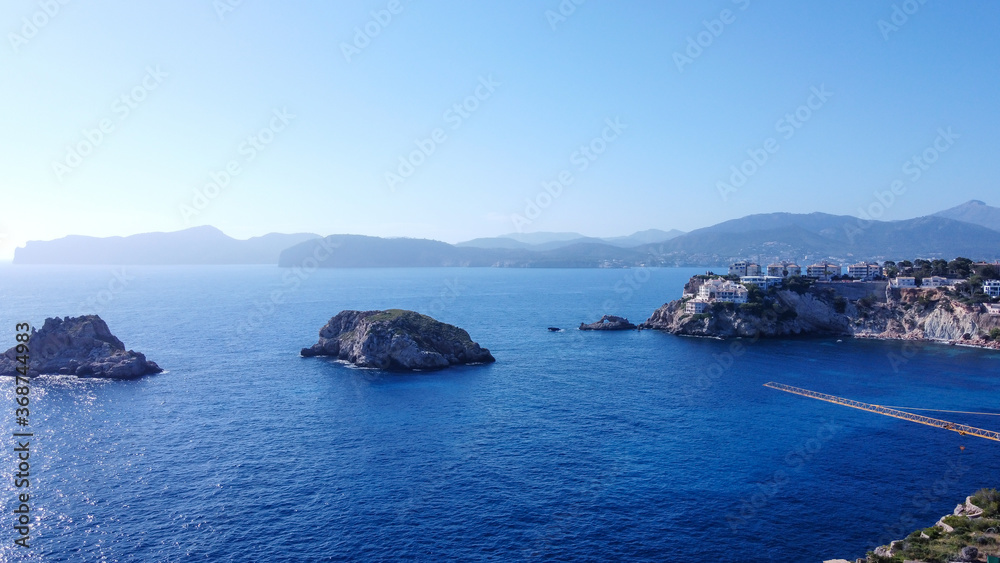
x,y
573,446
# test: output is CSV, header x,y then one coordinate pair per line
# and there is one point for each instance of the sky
x,y
454,120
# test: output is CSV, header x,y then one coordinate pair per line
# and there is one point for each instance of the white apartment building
x,y
935,281
722,290
696,306
785,269
864,271
823,270
763,282
904,282
738,268
744,268
991,288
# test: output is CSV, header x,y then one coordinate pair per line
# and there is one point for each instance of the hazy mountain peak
x,y
976,212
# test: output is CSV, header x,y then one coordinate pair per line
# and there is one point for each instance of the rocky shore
x,y
80,346
834,309
970,533
396,340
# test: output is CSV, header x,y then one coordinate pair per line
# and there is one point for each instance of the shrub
x,y
784,313
755,309
934,532
798,284
988,499
995,333
840,304
960,523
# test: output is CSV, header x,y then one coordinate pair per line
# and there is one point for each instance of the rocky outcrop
x,y
609,322
81,346
396,340
823,309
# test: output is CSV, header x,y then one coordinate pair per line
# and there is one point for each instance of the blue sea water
x,y
573,446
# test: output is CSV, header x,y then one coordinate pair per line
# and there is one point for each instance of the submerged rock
x,y
609,322
397,340
81,346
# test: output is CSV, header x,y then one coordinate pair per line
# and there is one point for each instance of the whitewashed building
x,y
784,270
935,281
823,270
991,288
722,290
864,271
904,282
763,282
696,306
744,268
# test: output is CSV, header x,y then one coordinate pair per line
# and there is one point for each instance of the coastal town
x,y
980,280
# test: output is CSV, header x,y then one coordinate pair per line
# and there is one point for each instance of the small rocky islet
x,y
609,322
81,346
398,340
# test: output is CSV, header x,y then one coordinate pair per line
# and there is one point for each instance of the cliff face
x,y
915,314
397,340
893,314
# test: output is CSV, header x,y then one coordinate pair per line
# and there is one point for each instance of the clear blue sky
x,y
558,82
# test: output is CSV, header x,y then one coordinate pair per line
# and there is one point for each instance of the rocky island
x,y
396,340
872,309
80,346
609,322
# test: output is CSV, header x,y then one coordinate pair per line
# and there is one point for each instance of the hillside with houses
x,y
954,301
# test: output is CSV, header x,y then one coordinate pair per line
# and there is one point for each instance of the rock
x,y
81,346
554,329
609,322
969,553
396,340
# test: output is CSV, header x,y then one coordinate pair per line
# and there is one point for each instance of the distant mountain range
x,y
817,236
971,229
197,245
552,241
